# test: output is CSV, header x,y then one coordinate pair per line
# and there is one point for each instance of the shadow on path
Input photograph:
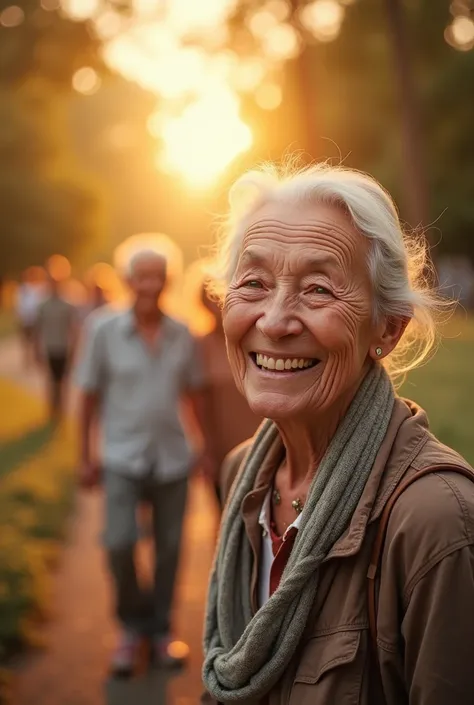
x,y
148,689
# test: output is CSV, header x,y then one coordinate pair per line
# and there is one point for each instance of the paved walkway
x,y
72,668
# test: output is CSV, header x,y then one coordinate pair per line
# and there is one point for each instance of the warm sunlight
x,y
205,138
323,18
86,81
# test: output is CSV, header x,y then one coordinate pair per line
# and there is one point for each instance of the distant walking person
x,y
28,299
229,420
135,368
96,299
55,337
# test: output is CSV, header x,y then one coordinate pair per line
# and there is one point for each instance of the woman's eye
x,y
253,284
321,290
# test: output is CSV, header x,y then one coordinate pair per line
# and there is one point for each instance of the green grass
x,y
445,388
13,452
36,494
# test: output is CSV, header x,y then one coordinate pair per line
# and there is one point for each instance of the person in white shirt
x,y
28,299
56,328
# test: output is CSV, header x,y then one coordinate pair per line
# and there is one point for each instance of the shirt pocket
x,y
331,670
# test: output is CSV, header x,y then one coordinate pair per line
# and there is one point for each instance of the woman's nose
x,y
279,320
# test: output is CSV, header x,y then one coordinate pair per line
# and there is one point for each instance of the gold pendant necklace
x,y
297,504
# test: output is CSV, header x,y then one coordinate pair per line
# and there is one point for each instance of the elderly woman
x,y
332,585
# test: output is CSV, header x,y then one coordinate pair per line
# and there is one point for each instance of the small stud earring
x,y
378,351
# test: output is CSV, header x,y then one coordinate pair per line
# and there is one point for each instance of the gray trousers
x,y
139,611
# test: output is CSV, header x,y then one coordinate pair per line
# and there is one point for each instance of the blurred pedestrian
x,y
96,299
135,368
228,419
55,338
28,299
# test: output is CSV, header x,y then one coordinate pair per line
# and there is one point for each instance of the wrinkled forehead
x,y
304,233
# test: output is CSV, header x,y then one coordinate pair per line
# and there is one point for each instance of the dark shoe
x,y
169,654
124,659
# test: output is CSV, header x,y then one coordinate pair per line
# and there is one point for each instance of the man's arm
x,y
37,333
197,395
89,469
74,332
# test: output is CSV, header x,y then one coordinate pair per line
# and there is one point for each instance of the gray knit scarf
x,y
245,654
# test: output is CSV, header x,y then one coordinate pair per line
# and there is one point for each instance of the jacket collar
x,y
406,434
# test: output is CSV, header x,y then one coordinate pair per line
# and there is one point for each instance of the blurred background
x,y
123,123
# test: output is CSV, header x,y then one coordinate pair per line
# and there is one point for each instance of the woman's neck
x,y
307,439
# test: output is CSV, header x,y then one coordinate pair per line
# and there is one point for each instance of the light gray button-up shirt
x,y
55,323
140,390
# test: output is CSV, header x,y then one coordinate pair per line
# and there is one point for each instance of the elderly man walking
x,y
136,366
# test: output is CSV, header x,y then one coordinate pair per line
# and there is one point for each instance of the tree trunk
x,y
416,190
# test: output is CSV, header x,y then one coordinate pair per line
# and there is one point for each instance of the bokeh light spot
x,y
12,16
282,42
279,8
86,81
268,96
323,19
205,138
50,5
80,10
58,267
462,29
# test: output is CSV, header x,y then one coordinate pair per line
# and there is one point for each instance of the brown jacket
x,y
425,616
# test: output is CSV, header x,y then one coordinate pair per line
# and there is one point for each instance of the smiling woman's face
x,y
298,313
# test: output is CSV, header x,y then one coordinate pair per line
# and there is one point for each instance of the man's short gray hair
x,y
398,264
140,256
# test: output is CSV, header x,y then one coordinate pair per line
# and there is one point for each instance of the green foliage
x,y
36,495
448,402
348,95
46,44
47,205
361,62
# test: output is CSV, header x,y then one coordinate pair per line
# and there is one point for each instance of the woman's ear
x,y
387,340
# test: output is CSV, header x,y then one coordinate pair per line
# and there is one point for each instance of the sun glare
x,y
80,9
205,138
197,122
323,18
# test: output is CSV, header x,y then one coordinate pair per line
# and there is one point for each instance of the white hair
x,y
141,256
399,265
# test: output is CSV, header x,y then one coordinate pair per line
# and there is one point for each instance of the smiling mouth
x,y
283,364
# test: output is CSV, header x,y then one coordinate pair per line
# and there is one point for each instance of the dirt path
x,y
72,668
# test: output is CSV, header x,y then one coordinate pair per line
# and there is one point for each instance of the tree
x,y
47,204
348,91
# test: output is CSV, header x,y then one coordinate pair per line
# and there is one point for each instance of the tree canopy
x,y
47,205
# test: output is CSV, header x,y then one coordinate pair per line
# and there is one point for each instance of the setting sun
x,y
205,138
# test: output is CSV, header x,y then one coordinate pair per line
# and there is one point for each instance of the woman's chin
x,y
274,406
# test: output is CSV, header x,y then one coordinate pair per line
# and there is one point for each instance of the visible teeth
x,y
281,364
